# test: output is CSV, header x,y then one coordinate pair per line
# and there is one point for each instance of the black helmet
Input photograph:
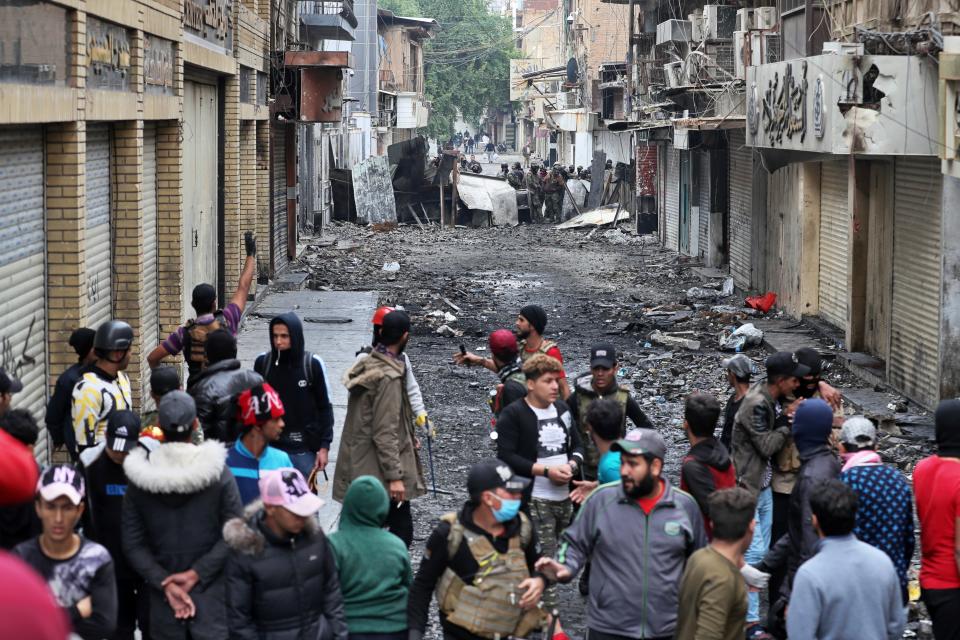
x,y
516,165
113,335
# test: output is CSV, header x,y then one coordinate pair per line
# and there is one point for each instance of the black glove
x,y
250,244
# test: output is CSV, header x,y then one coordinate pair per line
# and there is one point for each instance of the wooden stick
x,y
416,217
572,199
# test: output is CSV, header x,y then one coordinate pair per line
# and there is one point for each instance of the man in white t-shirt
x,y
537,438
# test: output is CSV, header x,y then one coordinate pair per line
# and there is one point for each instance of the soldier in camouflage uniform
x,y
553,194
535,190
537,437
515,177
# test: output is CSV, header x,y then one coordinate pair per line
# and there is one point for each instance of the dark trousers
x,y
944,608
593,634
781,511
400,522
132,606
399,635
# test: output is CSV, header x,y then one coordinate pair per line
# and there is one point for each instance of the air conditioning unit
x,y
764,48
745,20
719,21
765,18
674,31
696,27
739,46
674,74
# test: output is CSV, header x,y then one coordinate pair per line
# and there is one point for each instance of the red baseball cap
x,y
259,404
379,314
503,342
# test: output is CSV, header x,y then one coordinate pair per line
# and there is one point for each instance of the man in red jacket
x,y
707,466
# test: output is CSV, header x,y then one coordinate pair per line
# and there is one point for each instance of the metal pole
x,y
628,98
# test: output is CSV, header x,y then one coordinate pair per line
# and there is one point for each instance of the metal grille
x,y
99,247
672,211
704,202
741,207
279,159
834,242
915,324
150,314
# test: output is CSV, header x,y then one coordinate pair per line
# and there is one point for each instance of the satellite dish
x,y
573,70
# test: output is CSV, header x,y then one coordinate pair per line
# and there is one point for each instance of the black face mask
x,y
808,389
639,489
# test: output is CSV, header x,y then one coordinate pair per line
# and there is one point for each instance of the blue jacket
x,y
247,469
847,591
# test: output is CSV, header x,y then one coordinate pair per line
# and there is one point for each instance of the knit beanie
x,y
947,428
536,316
82,341
812,424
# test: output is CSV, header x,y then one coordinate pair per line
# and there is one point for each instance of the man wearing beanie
x,y
58,420
216,388
936,484
812,425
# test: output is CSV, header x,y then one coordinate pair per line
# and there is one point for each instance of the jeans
x,y
303,462
759,546
490,156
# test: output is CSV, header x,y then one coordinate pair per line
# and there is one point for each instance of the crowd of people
x,y
200,519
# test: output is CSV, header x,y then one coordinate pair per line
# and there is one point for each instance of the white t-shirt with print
x,y
551,451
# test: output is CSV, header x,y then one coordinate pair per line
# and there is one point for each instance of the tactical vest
x,y
545,346
195,341
496,396
591,455
489,607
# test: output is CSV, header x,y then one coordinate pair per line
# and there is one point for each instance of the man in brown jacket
x,y
378,433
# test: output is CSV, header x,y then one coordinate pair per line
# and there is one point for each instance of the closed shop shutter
x,y
151,289
741,208
702,233
22,277
915,319
834,242
672,213
99,248
279,159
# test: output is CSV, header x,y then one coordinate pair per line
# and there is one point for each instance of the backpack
x,y
195,341
307,366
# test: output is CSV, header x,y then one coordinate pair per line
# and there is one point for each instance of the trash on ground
x,y
762,303
668,340
743,337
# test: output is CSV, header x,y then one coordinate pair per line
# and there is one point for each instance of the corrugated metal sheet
x,y
672,212
22,278
915,323
703,158
834,242
151,288
99,247
279,200
741,207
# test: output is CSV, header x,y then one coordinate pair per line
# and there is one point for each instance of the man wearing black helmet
x,y
104,387
515,177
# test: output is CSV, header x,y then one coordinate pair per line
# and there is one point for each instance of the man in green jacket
x,y
378,433
374,566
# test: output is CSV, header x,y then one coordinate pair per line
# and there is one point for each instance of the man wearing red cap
x,y
513,384
260,415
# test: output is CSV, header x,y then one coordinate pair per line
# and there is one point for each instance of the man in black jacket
x,y
504,351
300,379
282,581
215,389
57,417
106,486
601,383
178,498
537,438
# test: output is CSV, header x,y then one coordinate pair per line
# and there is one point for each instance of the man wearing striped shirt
x,y
260,416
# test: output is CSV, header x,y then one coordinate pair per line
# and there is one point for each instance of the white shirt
x,y
551,452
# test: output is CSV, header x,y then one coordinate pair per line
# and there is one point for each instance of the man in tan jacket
x,y
378,433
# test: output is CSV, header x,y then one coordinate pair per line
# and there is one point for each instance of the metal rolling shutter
x,y
915,323
834,242
279,201
704,197
672,213
22,277
150,330
99,247
741,208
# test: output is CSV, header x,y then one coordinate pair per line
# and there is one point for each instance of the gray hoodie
x,y
636,560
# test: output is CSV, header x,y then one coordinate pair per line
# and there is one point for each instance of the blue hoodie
x,y
308,412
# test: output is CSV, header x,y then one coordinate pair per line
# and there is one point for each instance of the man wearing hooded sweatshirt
x,y
936,483
57,417
216,388
378,433
300,379
374,566
281,576
178,498
812,426
707,467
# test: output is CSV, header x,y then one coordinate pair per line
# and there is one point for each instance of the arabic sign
x,y
209,20
518,86
108,56
158,65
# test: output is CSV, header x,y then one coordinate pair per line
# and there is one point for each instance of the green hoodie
x,y
374,565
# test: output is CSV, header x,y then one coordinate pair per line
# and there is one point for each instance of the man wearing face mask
x,y
637,536
481,562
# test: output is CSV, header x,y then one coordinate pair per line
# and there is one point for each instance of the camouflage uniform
x,y
553,196
550,519
535,189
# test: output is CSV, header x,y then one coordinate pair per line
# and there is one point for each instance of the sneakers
x,y
756,632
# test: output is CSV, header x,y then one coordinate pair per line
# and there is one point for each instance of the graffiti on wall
x,y
14,358
784,108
